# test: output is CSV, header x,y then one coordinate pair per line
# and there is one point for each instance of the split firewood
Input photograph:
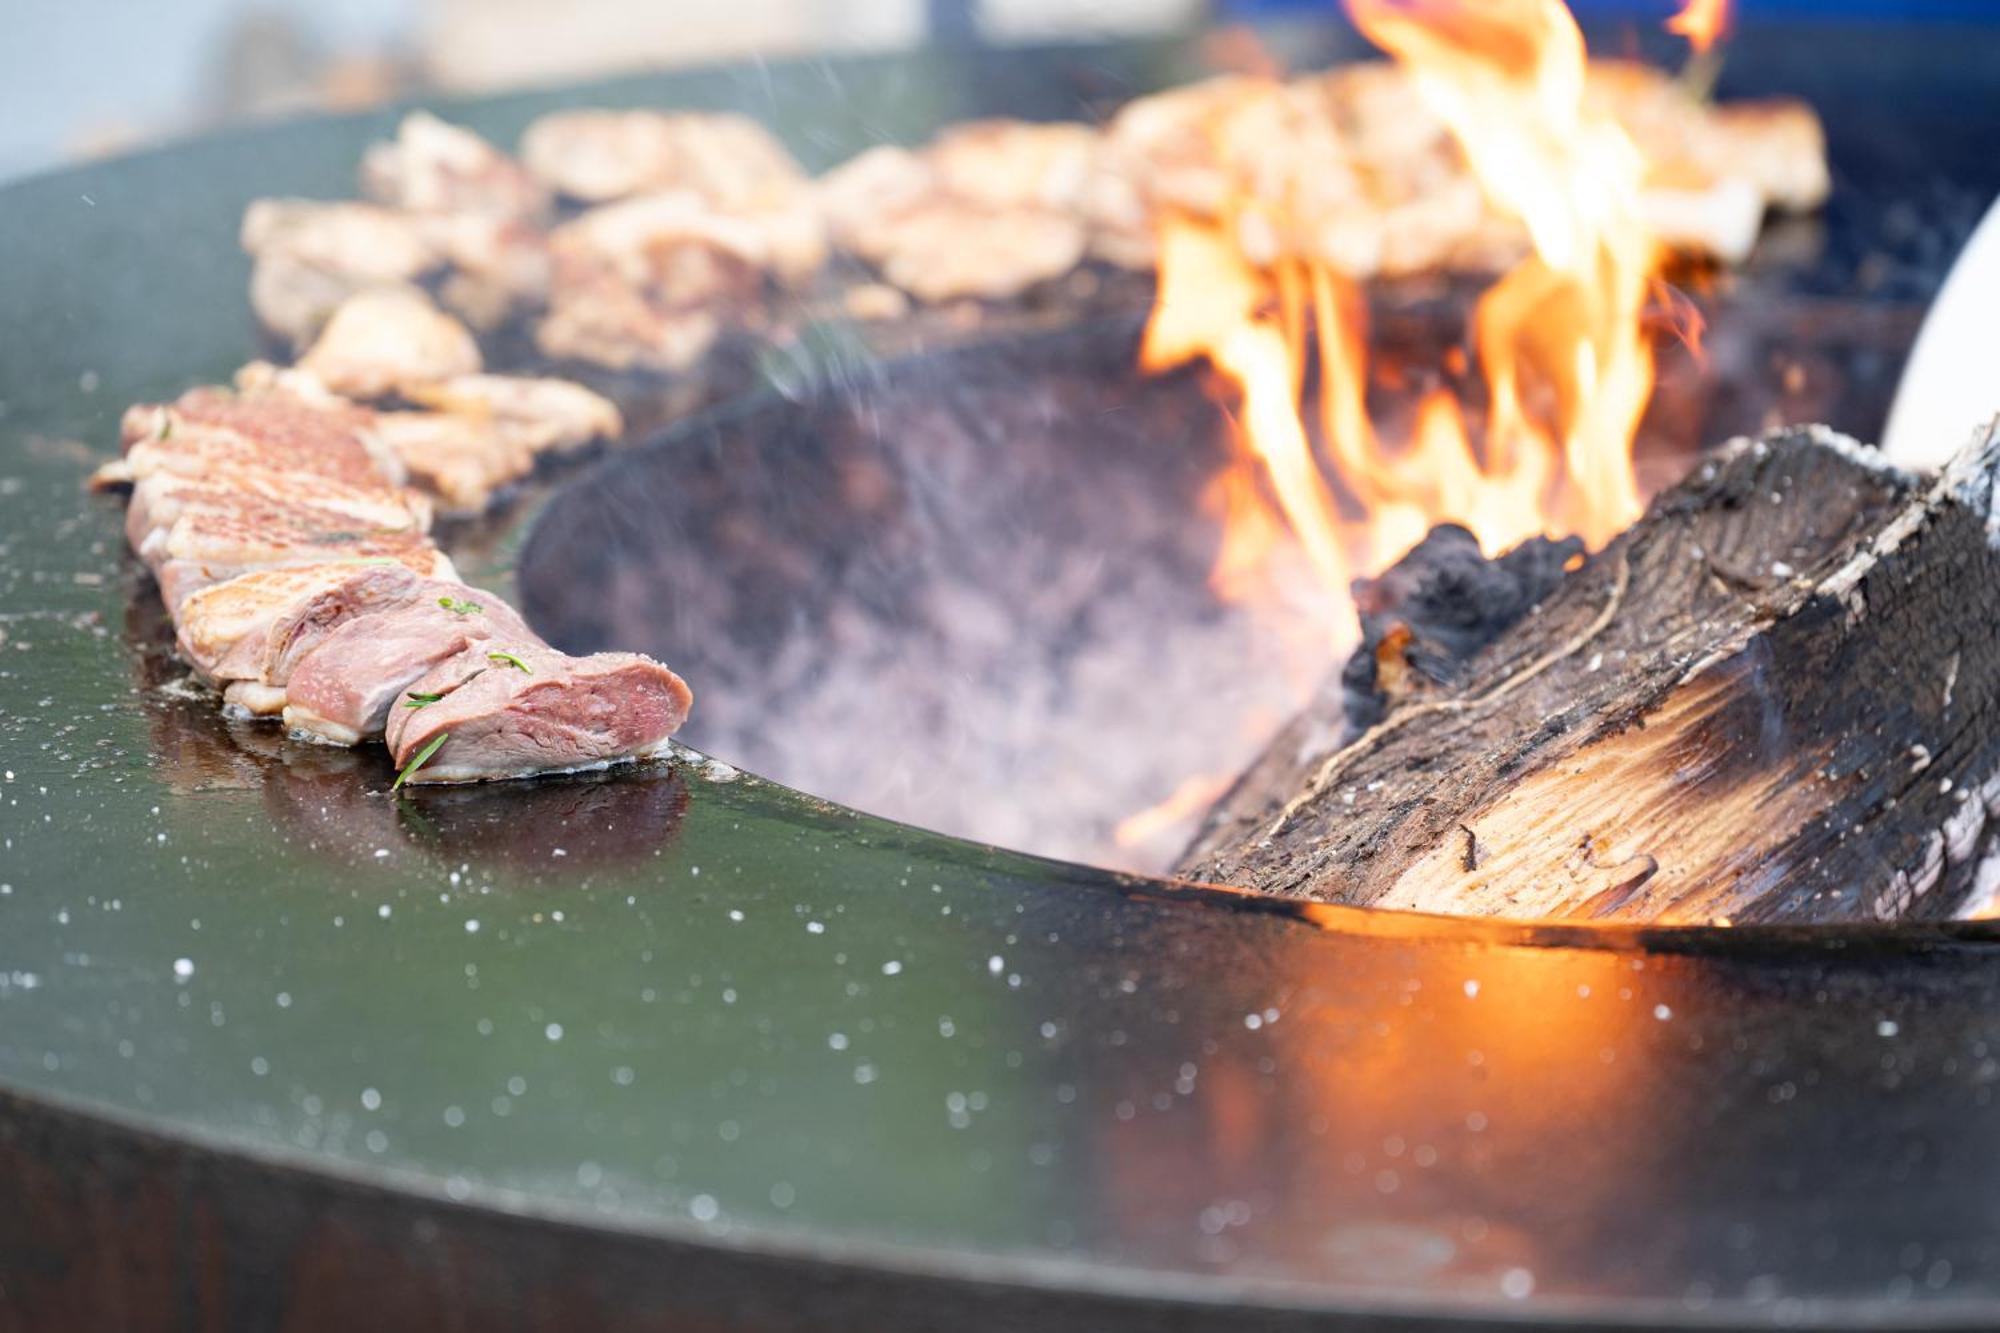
x,y
1775,697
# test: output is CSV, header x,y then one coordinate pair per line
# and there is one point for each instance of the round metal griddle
x,y
676,1046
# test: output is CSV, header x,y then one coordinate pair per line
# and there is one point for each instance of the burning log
x,y
1772,698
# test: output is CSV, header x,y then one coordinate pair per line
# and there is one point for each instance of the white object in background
x,y
1952,381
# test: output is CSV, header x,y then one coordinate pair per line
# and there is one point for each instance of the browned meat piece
x,y
946,250
211,432
385,339
700,215
597,156
254,626
535,711
464,460
546,415
1008,164
645,283
499,267
206,546
432,166
989,210
344,689
160,499
311,256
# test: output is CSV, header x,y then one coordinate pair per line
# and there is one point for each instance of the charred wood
x,y
1775,697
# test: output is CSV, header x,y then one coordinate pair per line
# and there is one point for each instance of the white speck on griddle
x,y
702,1208
371,1099
183,968
472,925
553,1032
837,1041
1888,1027
891,968
864,1073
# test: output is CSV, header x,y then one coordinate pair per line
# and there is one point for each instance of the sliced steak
x,y
542,712
343,690
211,432
240,628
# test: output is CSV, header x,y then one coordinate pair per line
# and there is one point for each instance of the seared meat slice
x,y
464,460
343,690
546,415
597,156
208,545
209,433
386,339
432,166
535,710
159,500
255,626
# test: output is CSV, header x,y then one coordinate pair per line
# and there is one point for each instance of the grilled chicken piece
x,y
385,339
989,210
602,321
649,282
462,459
598,156
432,166
546,415
344,689
542,711
946,250
1008,164
498,266
699,215
254,627
311,256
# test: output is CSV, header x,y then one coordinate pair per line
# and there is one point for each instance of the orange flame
x,y
1561,339
1702,22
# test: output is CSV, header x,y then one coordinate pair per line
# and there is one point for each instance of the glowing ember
x,y
1561,340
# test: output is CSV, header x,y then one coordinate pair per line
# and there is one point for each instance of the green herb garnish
x,y
423,757
417,700
510,660
166,426
460,608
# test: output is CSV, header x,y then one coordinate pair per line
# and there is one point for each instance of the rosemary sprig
x,y
419,699
509,659
423,757
460,608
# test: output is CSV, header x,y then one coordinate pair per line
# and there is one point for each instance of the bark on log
x,y
1776,697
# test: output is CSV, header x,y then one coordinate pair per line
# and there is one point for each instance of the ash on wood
x,y
1776,697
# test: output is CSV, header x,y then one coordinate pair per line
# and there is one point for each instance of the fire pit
x,y
682,1045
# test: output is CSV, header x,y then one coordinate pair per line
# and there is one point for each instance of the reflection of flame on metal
x,y
1194,795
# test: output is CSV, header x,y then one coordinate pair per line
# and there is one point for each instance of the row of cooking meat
x,y
297,564
634,238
